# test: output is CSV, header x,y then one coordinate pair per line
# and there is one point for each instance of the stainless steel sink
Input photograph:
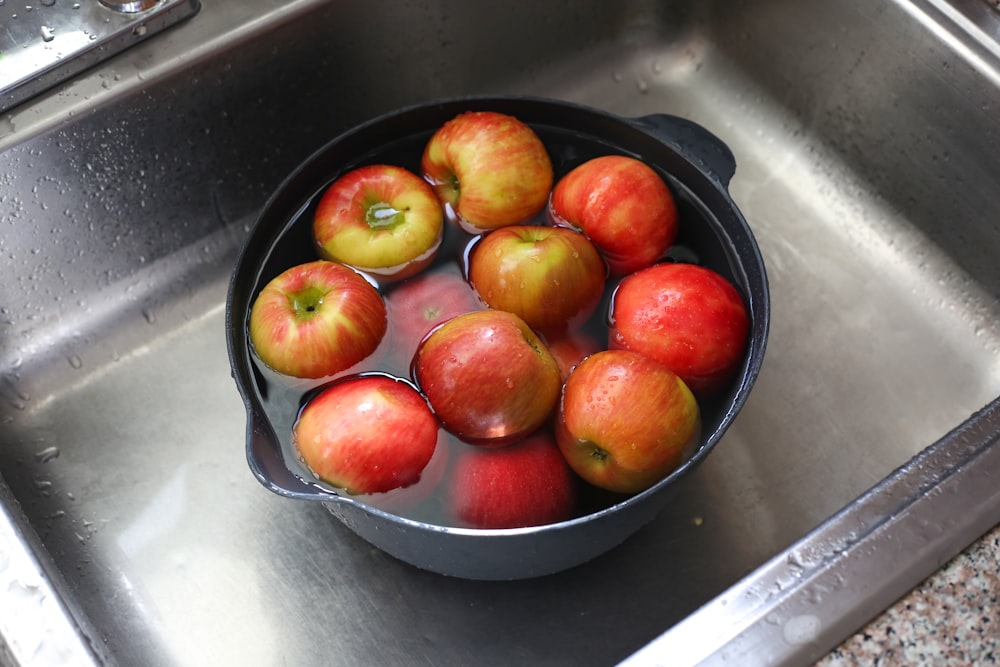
x,y
868,167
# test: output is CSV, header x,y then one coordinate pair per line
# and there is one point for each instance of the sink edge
x,y
804,601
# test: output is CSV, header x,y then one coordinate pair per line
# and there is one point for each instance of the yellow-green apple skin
x,y
548,276
381,219
489,168
316,320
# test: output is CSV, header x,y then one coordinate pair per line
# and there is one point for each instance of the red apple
x,y
569,347
316,320
490,168
421,303
415,501
380,219
488,376
625,421
686,316
367,434
547,276
622,205
523,484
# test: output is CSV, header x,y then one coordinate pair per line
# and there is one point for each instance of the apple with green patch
x,y
316,320
381,219
490,169
548,276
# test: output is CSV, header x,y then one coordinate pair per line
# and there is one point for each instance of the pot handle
x,y
697,144
266,463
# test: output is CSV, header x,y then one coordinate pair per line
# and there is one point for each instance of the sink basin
x,y
867,166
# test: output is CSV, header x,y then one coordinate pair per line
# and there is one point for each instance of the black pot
x,y
698,167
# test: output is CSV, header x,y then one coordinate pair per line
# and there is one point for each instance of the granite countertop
x,y
952,618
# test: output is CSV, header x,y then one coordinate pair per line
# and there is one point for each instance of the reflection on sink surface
x,y
867,167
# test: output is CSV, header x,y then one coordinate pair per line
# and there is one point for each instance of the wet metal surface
x,y
867,166
45,42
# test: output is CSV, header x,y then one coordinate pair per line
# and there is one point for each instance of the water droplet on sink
x,y
47,454
74,361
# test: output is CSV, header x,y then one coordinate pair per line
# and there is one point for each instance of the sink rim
x,y
968,460
898,524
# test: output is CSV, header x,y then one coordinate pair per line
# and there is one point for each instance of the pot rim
x,y
715,172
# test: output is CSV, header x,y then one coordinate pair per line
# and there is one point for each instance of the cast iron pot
x,y
698,167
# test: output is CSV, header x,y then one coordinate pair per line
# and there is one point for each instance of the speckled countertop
x,y
952,618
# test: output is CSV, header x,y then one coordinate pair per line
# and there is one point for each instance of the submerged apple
x,y
421,303
527,483
490,168
381,219
316,320
569,347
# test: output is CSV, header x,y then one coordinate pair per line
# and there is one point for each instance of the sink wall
x,y
866,166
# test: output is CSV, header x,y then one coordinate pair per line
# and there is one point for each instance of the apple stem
x,y
307,301
383,216
598,453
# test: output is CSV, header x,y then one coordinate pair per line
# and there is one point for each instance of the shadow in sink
x,y
866,166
